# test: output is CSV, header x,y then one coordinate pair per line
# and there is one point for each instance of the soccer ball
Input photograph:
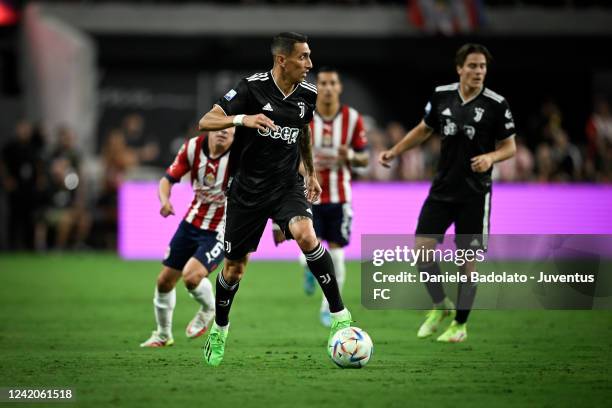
x,y
351,348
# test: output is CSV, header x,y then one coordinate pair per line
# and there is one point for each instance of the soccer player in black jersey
x,y
476,129
271,111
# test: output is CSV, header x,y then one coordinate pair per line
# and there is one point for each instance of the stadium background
x,y
130,79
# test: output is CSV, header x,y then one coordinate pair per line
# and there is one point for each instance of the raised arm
x,y
216,119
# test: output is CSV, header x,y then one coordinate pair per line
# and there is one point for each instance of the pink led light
x,y
382,208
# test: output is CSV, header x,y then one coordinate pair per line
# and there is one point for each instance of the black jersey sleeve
x,y
236,100
431,114
505,122
311,104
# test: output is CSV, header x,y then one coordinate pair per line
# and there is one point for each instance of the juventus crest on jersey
x,y
266,162
209,178
467,128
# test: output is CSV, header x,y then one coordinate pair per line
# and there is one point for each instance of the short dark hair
x,y
329,69
283,43
467,49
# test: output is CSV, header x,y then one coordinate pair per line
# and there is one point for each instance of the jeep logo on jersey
x,y
302,106
479,112
288,134
450,128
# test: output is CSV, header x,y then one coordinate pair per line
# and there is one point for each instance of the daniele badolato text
x,y
478,277
459,257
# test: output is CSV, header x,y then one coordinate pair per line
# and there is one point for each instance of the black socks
x,y
321,266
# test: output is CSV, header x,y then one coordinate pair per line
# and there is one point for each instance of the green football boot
x,y
456,333
339,321
214,347
434,318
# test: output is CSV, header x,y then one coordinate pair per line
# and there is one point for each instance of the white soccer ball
x,y
351,348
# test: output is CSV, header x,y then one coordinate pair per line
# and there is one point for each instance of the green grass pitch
x,y
77,320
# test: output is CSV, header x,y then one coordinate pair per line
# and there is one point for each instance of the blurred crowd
x,y
546,152
53,196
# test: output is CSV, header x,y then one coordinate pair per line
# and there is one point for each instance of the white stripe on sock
x,y
316,254
223,283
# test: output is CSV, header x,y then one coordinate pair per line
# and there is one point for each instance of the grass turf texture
x,y
77,321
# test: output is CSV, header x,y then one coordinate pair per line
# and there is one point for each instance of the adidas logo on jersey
x,y
447,112
268,107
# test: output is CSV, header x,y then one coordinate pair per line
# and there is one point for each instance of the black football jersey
x,y
265,164
467,129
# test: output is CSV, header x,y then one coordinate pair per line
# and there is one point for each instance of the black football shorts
x,y
332,222
471,218
244,225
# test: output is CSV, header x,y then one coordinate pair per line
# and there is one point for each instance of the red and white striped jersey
x,y
209,178
345,129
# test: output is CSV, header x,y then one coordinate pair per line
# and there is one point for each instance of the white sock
x,y
163,304
203,294
337,256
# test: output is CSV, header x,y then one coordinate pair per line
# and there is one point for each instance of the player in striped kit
x,y
339,143
197,246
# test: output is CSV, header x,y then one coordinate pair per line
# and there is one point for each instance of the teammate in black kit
x,y
271,111
476,128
